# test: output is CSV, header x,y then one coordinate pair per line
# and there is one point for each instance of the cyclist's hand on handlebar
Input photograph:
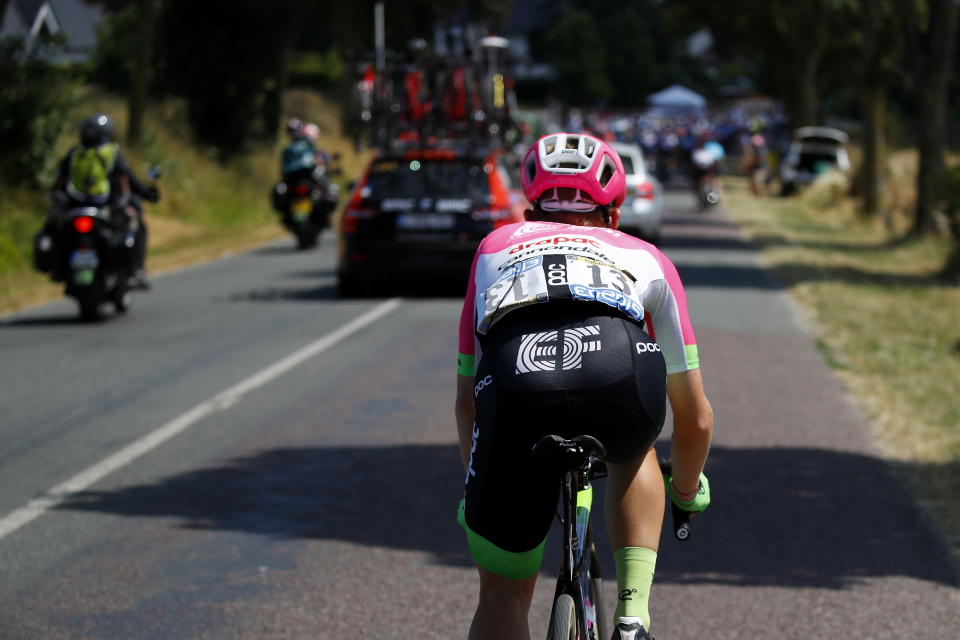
x,y
695,504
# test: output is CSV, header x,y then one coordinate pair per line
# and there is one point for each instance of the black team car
x,y
415,218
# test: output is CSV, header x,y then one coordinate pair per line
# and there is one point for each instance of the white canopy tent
x,y
677,98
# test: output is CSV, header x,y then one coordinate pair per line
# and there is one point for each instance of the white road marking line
x,y
220,402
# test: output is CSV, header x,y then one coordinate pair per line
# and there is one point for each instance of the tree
x,y
146,23
576,49
872,49
125,56
222,57
929,31
36,96
631,57
787,39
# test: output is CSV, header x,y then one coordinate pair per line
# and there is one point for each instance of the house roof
x,y
78,21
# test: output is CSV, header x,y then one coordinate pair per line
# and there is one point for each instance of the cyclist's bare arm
x,y
692,428
466,411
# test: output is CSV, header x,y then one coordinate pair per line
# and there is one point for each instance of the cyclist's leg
x,y
503,607
510,498
634,513
634,504
635,496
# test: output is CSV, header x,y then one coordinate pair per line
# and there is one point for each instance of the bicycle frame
x,y
579,568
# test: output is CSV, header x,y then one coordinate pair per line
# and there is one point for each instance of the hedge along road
x,y
247,456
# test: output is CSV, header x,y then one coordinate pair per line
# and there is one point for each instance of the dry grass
x,y
887,325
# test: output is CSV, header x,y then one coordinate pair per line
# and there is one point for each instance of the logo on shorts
x,y
557,350
483,384
473,449
643,347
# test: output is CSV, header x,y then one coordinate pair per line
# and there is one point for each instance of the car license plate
x,y
84,259
425,221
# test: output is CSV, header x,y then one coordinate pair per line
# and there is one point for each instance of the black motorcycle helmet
x,y
96,130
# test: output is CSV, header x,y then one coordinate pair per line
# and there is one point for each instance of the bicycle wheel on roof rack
x,y
563,624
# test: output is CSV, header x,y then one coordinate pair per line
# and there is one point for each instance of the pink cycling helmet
x,y
575,161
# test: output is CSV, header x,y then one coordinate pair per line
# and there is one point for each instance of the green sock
x,y
635,567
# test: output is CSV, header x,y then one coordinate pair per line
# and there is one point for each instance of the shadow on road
x,y
786,517
727,276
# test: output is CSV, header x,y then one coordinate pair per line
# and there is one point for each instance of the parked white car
x,y
642,212
813,151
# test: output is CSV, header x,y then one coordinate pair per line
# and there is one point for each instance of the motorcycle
x,y
305,204
91,249
91,254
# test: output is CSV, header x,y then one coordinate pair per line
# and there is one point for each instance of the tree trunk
x,y
931,124
273,103
951,270
930,45
808,93
874,114
3,10
140,82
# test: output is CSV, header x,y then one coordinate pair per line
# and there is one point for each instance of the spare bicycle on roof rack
x,y
457,87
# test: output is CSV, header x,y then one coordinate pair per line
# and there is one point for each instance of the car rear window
x,y
402,178
812,161
627,163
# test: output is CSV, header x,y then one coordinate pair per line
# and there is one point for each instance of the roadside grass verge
x,y
886,325
207,208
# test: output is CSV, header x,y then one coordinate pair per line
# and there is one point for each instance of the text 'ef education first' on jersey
x,y
530,263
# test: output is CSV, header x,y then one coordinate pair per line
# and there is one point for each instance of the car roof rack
x,y
457,94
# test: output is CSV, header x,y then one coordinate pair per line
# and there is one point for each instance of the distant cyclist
x,y
581,329
706,159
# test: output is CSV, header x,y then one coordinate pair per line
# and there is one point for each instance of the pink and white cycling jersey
x,y
536,262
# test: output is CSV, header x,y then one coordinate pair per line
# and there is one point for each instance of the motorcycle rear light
x,y
302,190
83,224
645,190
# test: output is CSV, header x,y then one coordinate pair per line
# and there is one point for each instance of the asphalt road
x,y
247,456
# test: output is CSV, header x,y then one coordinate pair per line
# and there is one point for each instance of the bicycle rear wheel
x,y
563,625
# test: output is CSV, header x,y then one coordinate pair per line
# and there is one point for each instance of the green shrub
x,y
35,100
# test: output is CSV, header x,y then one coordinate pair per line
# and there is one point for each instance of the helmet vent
x,y
572,142
531,169
606,173
591,148
550,145
567,165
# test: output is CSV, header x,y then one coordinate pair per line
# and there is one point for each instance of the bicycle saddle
x,y
576,451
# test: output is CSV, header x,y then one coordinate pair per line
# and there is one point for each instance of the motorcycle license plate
x,y
302,207
84,259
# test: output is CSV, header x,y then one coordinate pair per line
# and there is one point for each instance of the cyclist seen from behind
x,y
571,327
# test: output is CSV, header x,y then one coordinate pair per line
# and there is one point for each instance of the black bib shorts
x,y
552,369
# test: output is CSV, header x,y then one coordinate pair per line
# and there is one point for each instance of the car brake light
x,y
83,224
645,190
302,190
351,215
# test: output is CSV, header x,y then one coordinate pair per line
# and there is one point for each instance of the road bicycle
x,y
578,612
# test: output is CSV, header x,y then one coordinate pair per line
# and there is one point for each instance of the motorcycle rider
x,y
302,160
95,173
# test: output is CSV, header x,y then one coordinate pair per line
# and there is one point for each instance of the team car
x,y
418,216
